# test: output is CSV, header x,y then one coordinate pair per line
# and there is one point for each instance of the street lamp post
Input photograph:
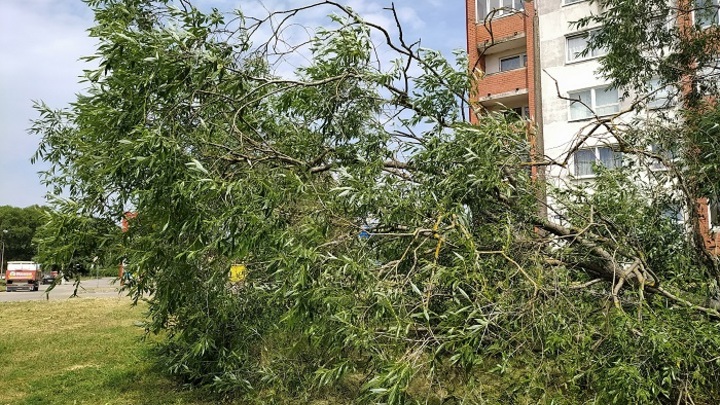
x,y
2,253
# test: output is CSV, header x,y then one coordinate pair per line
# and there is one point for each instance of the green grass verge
x,y
81,351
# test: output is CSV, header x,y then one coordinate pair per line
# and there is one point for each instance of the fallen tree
x,y
394,252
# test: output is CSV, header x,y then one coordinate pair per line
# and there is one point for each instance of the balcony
x,y
503,87
498,45
505,27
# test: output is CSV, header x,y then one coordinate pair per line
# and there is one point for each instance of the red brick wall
x,y
712,240
504,27
530,46
471,36
498,83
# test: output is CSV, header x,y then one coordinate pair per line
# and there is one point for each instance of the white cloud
x,y
41,41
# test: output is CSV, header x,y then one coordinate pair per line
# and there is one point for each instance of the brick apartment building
x,y
500,44
530,58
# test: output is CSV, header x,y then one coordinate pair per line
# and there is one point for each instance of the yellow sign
x,y
238,273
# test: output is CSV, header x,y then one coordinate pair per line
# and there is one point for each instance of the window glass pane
x,y
706,12
582,96
606,96
663,155
518,112
618,158
575,45
513,113
606,101
607,110
519,5
653,84
674,212
577,109
714,212
609,158
659,95
584,160
663,20
598,52
511,63
481,7
595,52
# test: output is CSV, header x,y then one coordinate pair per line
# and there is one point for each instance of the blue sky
x,y
42,40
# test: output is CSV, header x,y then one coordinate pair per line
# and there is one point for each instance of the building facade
x,y
533,61
500,35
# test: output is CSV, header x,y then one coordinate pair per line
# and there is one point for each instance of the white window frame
x,y
571,2
695,6
523,62
502,10
596,152
593,54
593,103
713,214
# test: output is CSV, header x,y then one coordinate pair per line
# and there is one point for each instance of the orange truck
x,y
21,276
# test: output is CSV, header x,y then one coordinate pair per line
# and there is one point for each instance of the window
x,y
658,94
576,44
591,102
497,8
665,154
707,78
662,20
518,112
674,212
566,2
587,159
706,12
714,212
513,62
522,111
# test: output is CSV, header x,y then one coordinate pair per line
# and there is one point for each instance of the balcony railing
x,y
503,84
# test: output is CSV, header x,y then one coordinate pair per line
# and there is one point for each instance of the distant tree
x,y
21,225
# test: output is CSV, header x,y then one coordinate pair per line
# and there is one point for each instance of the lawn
x,y
80,351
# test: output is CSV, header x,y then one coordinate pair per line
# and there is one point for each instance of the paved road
x,y
103,287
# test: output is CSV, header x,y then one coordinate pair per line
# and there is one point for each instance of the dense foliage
x,y
669,50
74,243
395,252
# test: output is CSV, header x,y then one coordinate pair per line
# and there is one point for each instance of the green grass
x,y
81,351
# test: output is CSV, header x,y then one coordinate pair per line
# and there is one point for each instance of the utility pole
x,y
2,253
